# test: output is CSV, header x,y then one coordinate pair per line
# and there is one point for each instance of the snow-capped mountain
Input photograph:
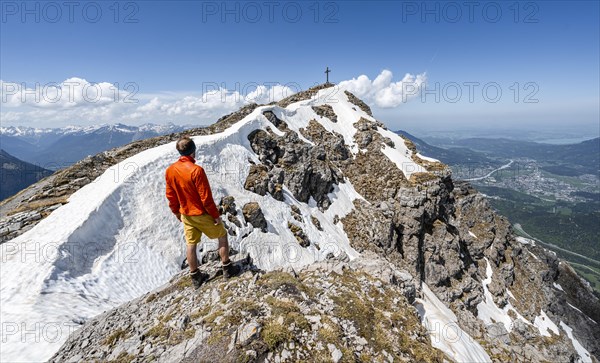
x,y
57,148
329,181
36,132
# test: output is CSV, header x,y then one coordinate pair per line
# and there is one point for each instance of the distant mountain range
x,y
56,148
17,174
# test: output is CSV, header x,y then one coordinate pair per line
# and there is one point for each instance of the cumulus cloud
x,y
78,101
72,92
384,93
209,105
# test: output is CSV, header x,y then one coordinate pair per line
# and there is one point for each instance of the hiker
x,y
190,199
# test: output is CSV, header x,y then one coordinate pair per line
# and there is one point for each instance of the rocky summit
x,y
361,249
333,310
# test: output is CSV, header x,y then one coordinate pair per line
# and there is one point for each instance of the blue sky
x,y
173,48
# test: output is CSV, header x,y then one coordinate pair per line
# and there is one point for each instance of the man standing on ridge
x,y
190,199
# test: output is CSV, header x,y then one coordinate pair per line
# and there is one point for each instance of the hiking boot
x,y
198,278
230,270
184,264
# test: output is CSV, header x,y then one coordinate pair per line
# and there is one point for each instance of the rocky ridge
x,y
427,228
336,310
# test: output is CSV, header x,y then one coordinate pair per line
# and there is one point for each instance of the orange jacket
x,y
188,190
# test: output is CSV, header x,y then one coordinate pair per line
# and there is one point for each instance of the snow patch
x,y
543,323
525,241
400,154
584,355
557,286
298,115
446,335
472,234
573,307
509,293
489,312
426,158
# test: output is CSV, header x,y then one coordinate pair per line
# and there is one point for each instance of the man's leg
x,y
192,237
192,258
229,269
212,230
198,277
224,249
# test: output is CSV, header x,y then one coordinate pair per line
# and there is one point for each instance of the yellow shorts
x,y
194,226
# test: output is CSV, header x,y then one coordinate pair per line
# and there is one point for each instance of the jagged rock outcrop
x,y
304,95
357,101
325,111
288,160
299,234
261,181
254,215
442,233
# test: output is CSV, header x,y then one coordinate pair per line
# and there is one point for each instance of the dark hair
x,y
185,146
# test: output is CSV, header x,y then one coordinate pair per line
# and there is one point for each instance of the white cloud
x,y
384,93
72,92
78,101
